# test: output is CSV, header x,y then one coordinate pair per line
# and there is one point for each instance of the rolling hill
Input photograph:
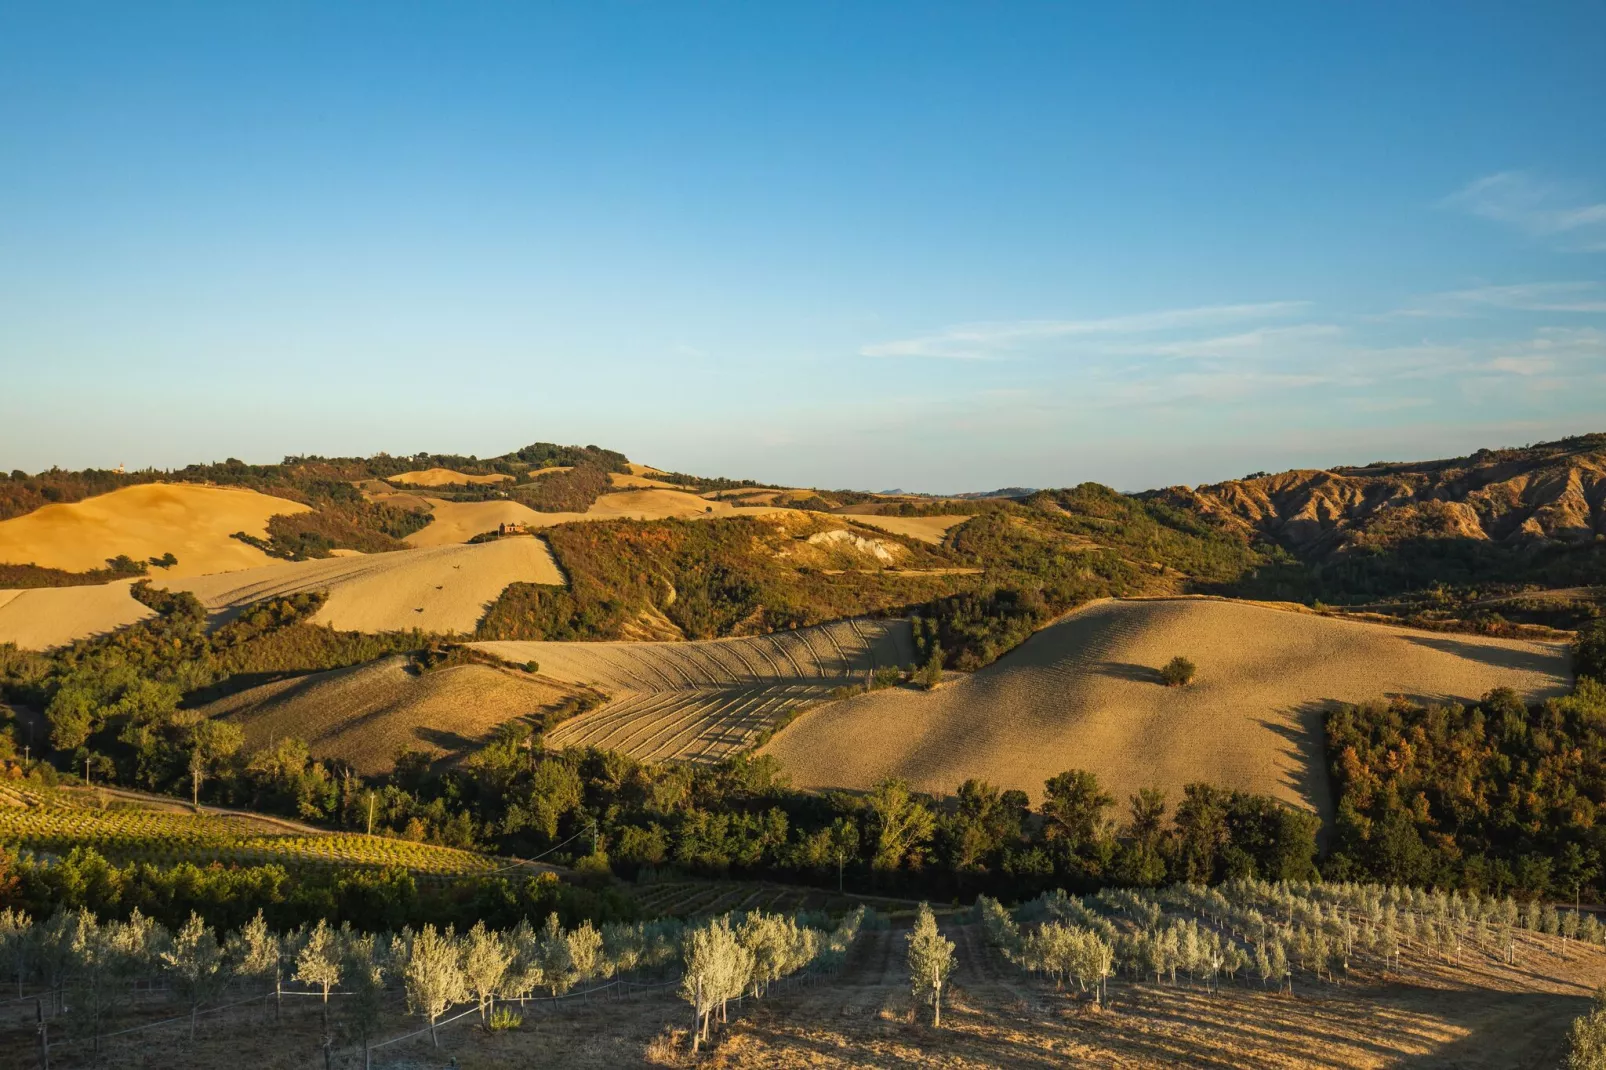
x,y
1085,693
47,617
443,589
702,701
365,714
190,521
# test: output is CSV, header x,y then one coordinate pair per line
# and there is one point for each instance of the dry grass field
x,y
457,522
47,617
443,589
1085,693
1426,1017
454,523
632,481
702,701
928,529
445,477
147,520
365,714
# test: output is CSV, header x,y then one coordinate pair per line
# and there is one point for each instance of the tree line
x,y
1497,796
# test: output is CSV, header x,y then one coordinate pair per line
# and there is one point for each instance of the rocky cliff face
x,y
1550,493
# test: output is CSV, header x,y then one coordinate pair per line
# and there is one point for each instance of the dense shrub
x,y
1589,652
13,577
1178,672
573,491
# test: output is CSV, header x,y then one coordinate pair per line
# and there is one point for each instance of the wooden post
x,y
44,1035
696,1018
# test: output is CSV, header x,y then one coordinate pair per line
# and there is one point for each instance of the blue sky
x,y
931,246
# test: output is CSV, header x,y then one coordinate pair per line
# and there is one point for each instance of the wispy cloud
x,y
1537,207
1244,343
1584,297
987,341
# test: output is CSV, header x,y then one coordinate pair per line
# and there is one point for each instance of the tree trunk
x,y
44,1034
194,1010
433,1039
697,1018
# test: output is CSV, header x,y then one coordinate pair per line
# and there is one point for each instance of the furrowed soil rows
x,y
703,701
443,589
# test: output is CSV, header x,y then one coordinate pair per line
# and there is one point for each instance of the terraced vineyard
x,y
51,822
703,701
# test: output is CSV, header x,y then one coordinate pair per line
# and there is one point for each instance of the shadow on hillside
x,y
1498,656
1126,670
1306,733
1545,1017
455,743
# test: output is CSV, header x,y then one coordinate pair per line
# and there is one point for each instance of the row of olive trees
x,y
747,952
1063,950
1270,929
89,969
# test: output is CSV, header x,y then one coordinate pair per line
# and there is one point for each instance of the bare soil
x,y
1432,1016
1085,693
365,714
190,521
441,589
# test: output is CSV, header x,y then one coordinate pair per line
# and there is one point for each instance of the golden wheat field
x,y
441,589
702,701
1084,693
190,521
928,529
453,523
457,522
365,714
46,617
445,477
632,481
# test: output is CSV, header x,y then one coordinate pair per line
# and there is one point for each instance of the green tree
x,y
195,965
903,825
931,960
433,976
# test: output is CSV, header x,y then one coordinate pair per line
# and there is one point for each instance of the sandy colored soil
x,y
1084,693
458,522
1483,1015
657,505
442,477
365,714
633,481
190,521
47,617
702,701
1430,1017
443,589
929,529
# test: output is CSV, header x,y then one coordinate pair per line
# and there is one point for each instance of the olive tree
x,y
931,960
434,976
